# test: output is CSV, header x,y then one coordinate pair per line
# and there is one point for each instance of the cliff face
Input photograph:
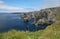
x,y
47,15
55,11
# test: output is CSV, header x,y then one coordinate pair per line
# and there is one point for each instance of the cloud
x,y
45,4
1,2
50,3
7,8
53,2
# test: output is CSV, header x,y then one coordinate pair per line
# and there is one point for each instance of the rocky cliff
x,y
47,15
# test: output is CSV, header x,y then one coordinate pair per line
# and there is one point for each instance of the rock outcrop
x,y
40,17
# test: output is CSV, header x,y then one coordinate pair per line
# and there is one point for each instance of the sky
x,y
26,5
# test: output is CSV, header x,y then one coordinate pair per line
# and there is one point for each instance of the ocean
x,y
13,21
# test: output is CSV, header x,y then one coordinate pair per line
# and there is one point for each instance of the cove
x,y
14,21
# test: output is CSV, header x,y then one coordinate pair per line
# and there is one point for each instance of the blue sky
x,y
26,5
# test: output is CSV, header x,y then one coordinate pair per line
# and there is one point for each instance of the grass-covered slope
x,y
51,32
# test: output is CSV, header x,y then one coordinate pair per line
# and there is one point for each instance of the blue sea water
x,y
14,21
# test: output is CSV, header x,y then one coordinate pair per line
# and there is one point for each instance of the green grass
x,y
51,32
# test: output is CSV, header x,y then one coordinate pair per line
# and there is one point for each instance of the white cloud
x,y
7,8
46,4
1,2
50,3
